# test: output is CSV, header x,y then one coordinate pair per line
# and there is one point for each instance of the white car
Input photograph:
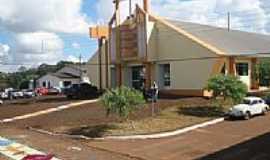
x,y
3,95
1,102
28,93
251,106
15,94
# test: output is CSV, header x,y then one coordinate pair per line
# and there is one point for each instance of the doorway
x,y
138,77
244,73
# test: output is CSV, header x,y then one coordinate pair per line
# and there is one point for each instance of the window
x,y
247,102
137,77
255,102
67,83
44,84
242,69
167,75
49,84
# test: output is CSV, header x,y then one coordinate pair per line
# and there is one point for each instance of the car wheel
x,y
264,111
247,116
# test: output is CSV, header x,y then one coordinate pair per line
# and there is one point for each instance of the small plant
x,y
228,87
122,101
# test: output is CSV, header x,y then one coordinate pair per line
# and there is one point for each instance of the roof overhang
x,y
255,55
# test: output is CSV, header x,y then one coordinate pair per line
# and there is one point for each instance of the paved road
x,y
230,140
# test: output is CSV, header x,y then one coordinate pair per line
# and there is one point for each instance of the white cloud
x,y
31,49
76,45
73,59
4,50
36,23
105,9
249,15
39,15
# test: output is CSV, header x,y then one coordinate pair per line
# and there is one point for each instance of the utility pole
x,y
229,21
100,44
42,46
117,42
80,66
146,4
130,7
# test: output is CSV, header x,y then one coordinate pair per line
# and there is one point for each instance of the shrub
x,y
262,72
122,101
227,86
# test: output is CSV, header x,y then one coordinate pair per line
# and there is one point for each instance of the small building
x,y
63,78
179,56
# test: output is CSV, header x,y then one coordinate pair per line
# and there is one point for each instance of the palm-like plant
x,y
122,101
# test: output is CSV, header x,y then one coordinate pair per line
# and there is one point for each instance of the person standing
x,y
155,91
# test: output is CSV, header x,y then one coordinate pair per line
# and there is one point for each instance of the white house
x,y
63,78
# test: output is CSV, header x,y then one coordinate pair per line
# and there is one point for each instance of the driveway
x,y
229,140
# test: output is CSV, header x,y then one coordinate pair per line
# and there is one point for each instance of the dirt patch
x,y
91,120
24,106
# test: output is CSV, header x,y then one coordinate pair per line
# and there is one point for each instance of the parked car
x,y
28,93
41,91
15,94
3,95
267,100
53,91
1,102
251,106
81,91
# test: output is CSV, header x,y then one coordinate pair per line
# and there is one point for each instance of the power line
x,y
163,60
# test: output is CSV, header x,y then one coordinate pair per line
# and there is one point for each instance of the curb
x,y
47,111
136,137
167,134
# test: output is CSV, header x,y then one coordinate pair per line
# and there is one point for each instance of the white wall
x,y
55,81
92,70
166,46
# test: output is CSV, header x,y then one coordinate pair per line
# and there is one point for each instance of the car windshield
x,y
246,101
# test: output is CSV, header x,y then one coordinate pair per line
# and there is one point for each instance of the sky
x,y
33,32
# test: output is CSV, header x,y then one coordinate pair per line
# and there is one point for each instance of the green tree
x,y
262,72
228,87
122,101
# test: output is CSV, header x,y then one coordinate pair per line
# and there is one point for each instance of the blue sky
x,y
37,31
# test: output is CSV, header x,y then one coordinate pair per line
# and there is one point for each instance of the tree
x,y
122,101
22,69
227,86
21,78
262,72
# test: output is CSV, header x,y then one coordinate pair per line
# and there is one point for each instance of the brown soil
x,y
24,106
91,119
